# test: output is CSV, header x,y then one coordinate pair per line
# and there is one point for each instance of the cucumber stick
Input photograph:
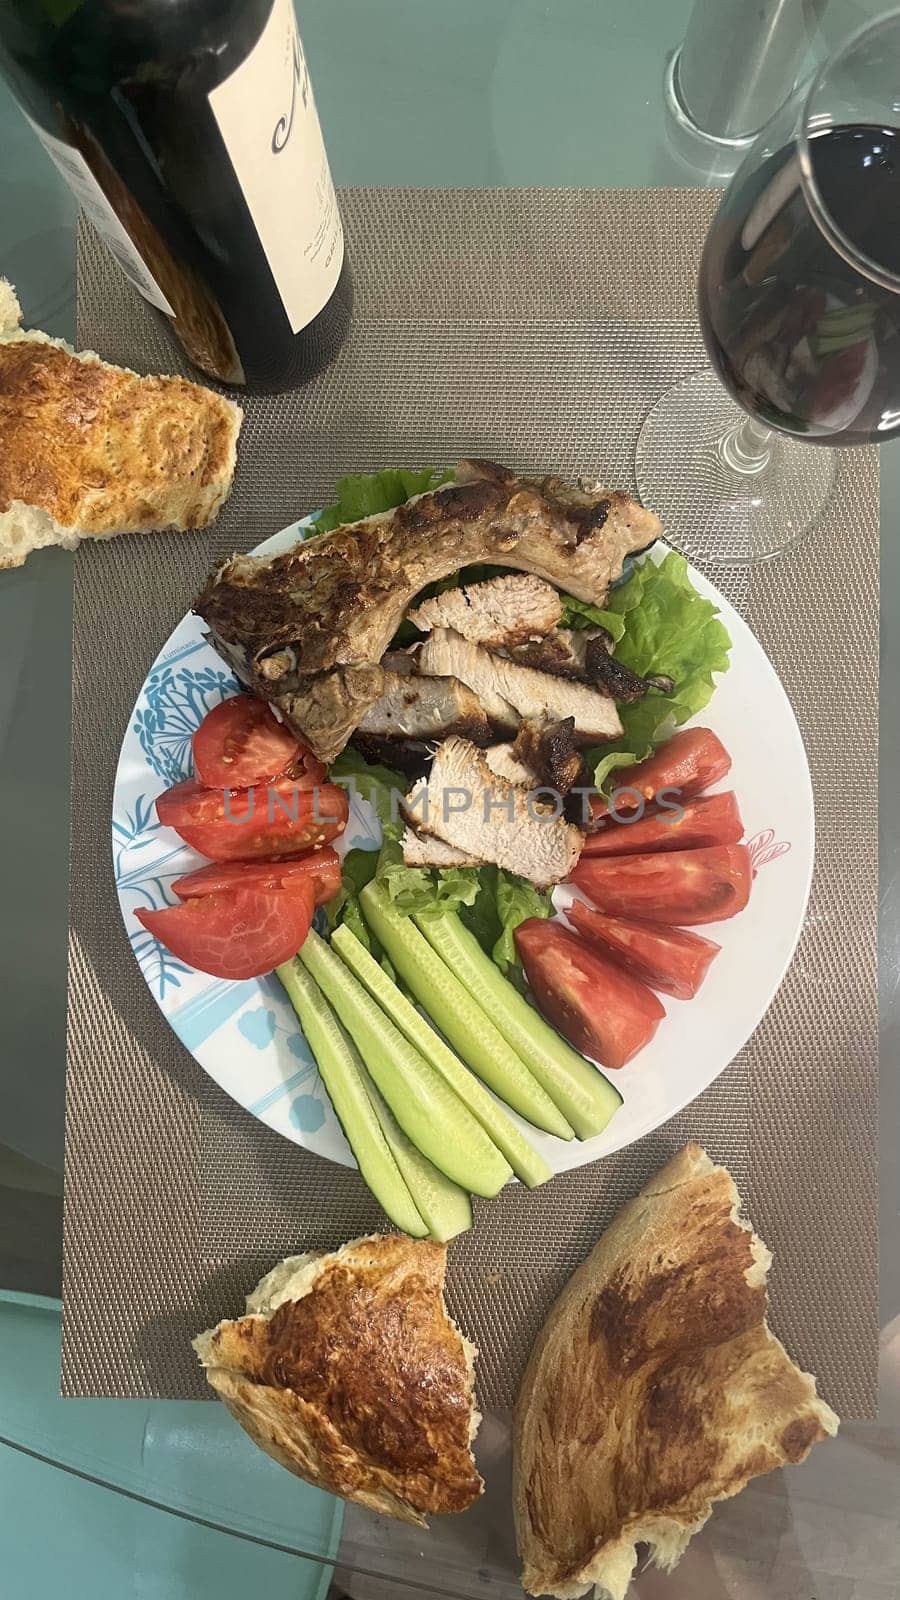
x,y
522,1157
449,1003
344,1076
445,1207
427,1109
579,1089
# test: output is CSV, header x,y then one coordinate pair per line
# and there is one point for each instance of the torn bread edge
x,y
608,1573
293,1279
24,527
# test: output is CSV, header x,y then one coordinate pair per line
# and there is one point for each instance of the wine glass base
x,y
712,513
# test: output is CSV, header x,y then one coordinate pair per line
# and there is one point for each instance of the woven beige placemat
x,y
536,326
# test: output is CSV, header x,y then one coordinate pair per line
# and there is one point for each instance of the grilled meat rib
x,y
498,614
532,694
307,629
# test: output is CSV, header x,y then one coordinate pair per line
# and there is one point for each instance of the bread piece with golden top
x,y
88,449
654,1389
350,1373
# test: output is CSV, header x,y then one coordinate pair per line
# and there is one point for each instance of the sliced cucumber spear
x,y
344,1076
522,1157
427,1109
445,1207
449,1003
579,1089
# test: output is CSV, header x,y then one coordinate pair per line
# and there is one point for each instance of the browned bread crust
x,y
91,449
363,1385
654,1389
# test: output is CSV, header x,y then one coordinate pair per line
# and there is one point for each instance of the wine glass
x,y
799,305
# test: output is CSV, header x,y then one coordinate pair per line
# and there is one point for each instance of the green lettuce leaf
x,y
357,869
578,614
363,494
380,785
517,900
481,916
667,628
421,890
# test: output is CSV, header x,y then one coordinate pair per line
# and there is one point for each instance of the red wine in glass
x,y
799,308
805,340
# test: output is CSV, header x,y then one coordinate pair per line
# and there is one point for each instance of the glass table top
x,y
483,92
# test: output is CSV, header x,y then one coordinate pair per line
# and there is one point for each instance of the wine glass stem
x,y
745,448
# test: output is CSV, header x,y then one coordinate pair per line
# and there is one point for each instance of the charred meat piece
x,y
550,751
499,613
413,712
564,652
467,805
587,655
532,694
619,681
412,757
331,605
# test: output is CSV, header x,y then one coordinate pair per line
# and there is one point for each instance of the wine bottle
x,y
189,134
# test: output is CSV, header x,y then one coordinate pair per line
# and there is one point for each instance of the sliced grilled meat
x,y
533,694
413,712
414,707
297,625
469,806
499,613
424,850
502,759
402,661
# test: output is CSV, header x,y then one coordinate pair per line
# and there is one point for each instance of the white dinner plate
x,y
245,1034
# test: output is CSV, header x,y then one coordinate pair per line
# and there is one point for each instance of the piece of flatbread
x,y
350,1373
654,1389
88,449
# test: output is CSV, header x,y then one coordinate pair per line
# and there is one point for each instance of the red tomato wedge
x,y
600,1009
241,742
238,933
683,887
710,819
670,959
690,762
320,868
283,818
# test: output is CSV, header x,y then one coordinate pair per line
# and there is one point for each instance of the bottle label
x,y
267,118
87,191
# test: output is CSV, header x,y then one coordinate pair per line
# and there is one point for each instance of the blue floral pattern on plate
x,y
244,1034
173,705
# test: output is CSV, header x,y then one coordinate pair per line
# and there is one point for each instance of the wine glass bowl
x,y
799,306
